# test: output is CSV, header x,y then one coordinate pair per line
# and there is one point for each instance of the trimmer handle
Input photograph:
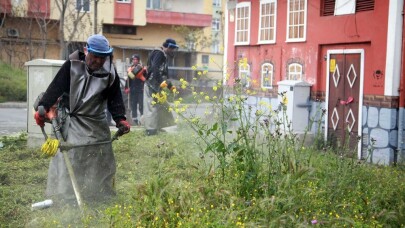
x,y
117,134
41,111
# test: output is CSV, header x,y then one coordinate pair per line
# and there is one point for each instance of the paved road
x,y
13,120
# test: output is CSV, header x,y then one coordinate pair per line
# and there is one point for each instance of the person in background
x,y
124,87
92,85
156,114
136,81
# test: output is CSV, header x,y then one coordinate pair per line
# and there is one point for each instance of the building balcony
x,y
178,18
5,6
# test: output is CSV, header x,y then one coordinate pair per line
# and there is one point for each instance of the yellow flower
x,y
207,98
215,88
194,68
262,103
199,73
284,100
259,112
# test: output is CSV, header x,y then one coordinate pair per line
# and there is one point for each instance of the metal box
x,y
298,103
40,73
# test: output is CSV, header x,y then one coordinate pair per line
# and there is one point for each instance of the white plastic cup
x,y
42,205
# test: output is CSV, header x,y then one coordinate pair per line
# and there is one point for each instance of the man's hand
x,y
126,90
163,84
168,85
123,127
173,88
39,119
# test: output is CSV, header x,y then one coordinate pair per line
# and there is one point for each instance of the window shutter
x,y
364,5
328,8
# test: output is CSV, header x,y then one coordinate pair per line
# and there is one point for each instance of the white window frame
x,y
216,24
269,73
294,24
216,3
124,1
244,75
82,6
215,46
294,75
263,28
245,19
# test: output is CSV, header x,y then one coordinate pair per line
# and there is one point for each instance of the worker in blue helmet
x,y
87,84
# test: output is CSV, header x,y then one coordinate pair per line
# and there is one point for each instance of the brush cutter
x,y
51,146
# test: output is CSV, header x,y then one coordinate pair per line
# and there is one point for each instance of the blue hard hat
x,y
98,45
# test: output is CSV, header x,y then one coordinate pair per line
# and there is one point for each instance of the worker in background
x,y
136,81
156,114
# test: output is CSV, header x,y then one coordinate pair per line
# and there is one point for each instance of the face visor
x,y
100,53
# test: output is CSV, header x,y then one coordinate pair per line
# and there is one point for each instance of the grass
x,y
231,171
13,83
165,181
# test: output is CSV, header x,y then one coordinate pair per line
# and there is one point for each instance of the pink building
x,y
350,51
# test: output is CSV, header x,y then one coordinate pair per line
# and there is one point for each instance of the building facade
x,y
132,26
348,51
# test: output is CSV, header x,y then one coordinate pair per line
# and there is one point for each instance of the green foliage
x,y
193,36
233,165
13,83
170,181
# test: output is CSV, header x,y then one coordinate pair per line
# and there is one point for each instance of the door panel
x,y
344,97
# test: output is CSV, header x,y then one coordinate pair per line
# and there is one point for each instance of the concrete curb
x,y
13,105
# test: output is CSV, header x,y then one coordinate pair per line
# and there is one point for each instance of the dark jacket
x,y
61,85
157,69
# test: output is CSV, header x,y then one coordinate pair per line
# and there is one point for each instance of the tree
x,y
71,18
39,13
194,37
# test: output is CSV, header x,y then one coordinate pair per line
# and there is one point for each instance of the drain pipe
x,y
401,104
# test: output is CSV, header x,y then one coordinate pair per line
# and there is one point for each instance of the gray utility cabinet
x,y
298,105
40,73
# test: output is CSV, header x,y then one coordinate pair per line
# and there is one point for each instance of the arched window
x,y
244,74
294,72
267,75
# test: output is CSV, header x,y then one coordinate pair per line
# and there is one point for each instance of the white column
x,y
394,48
